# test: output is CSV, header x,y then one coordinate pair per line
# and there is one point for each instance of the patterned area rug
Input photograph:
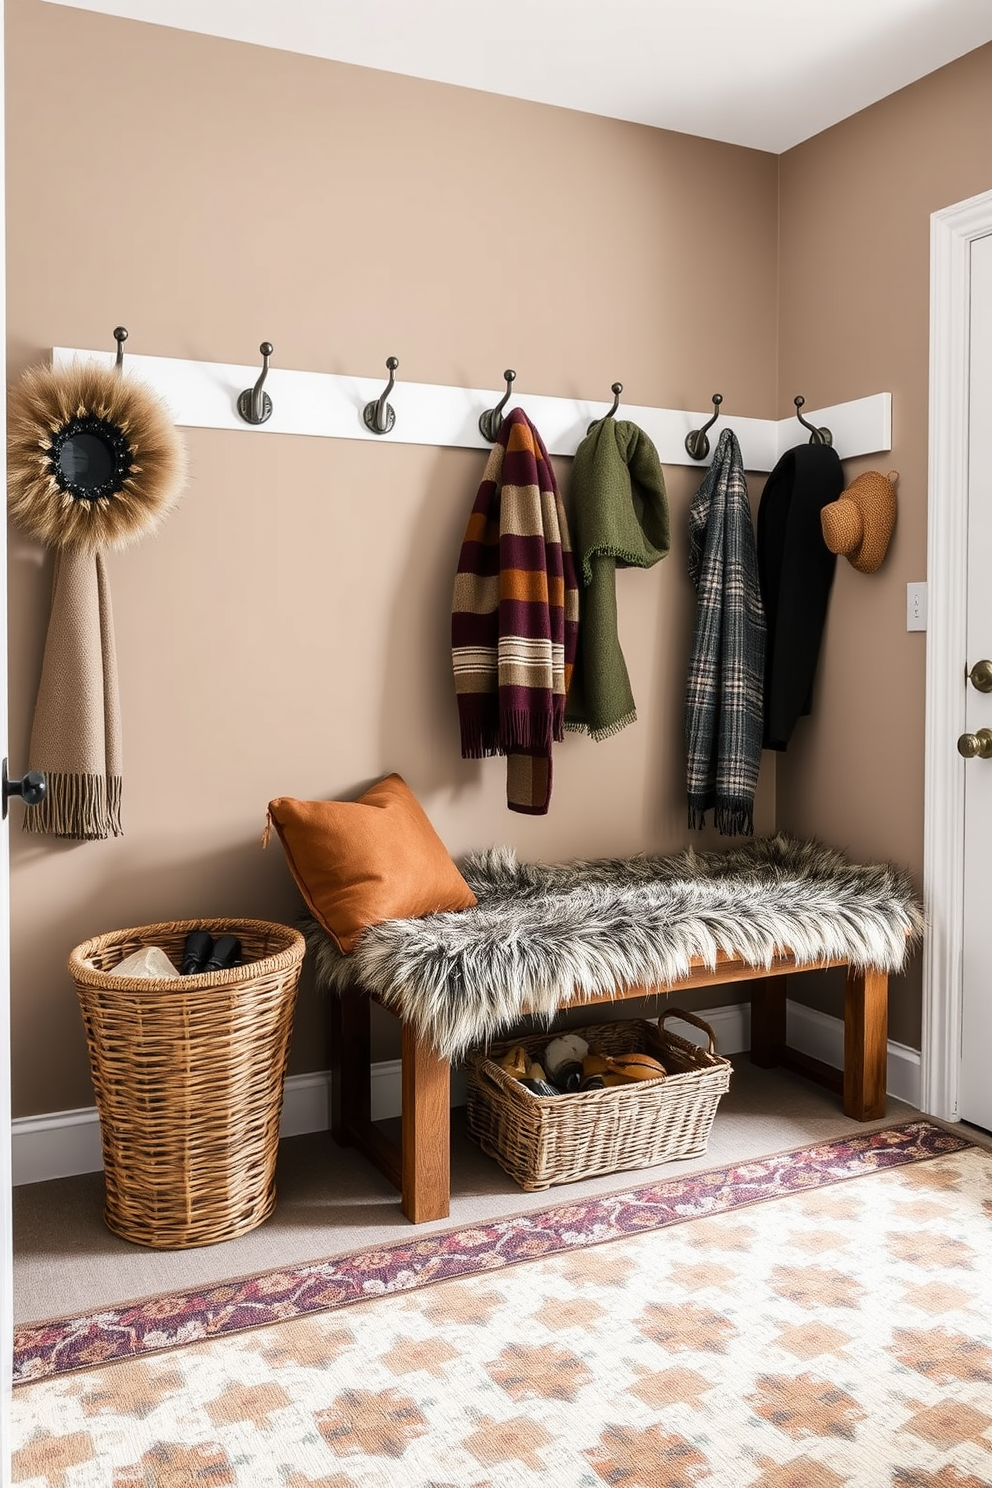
x,y
686,1333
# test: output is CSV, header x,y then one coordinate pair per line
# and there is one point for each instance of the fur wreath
x,y
49,408
547,936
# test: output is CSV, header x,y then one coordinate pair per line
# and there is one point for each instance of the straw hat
x,y
859,523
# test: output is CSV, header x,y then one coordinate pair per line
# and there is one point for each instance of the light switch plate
x,y
916,606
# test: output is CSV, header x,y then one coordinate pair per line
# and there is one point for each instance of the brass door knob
x,y
980,676
980,744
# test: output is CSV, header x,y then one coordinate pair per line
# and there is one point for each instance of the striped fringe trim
x,y
85,807
479,745
519,729
484,734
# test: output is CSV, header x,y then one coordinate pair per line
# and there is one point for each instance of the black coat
x,y
796,570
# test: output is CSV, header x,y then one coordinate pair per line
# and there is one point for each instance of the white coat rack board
x,y
204,395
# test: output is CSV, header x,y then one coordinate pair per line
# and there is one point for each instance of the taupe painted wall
x,y
854,319
287,632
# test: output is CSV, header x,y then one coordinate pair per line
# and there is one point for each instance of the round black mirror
x,y
86,461
91,458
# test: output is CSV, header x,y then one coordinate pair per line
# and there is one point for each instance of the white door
x,y
975,1099
956,1055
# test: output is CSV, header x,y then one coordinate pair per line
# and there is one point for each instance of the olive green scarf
x,y
619,519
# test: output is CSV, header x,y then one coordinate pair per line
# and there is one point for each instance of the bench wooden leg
x,y
426,1139
351,1065
866,1013
767,1020
420,1166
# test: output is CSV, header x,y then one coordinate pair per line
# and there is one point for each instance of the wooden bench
x,y
419,1166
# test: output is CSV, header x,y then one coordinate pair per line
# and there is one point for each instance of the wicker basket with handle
x,y
546,1140
188,1074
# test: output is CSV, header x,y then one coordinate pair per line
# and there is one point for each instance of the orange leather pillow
x,y
357,863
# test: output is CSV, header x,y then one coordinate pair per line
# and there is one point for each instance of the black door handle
x,y
31,788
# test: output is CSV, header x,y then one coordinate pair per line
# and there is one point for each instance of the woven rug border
x,y
158,1324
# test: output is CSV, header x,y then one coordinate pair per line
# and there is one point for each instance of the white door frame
x,y
952,232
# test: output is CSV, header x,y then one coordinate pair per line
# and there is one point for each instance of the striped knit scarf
x,y
514,622
723,706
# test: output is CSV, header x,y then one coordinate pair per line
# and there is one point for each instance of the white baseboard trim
x,y
822,1037
60,1144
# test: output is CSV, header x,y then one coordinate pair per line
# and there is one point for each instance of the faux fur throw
x,y
544,937
515,615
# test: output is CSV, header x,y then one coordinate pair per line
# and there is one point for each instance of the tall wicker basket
x,y
188,1074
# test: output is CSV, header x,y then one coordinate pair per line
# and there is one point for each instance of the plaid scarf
x,y
514,621
724,702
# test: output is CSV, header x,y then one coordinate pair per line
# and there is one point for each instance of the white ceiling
x,y
763,73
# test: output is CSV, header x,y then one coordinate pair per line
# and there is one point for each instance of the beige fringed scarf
x,y
58,420
76,736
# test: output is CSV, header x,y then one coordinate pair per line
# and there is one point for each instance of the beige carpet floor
x,y
821,1322
331,1201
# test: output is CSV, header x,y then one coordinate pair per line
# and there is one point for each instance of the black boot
x,y
196,952
226,952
